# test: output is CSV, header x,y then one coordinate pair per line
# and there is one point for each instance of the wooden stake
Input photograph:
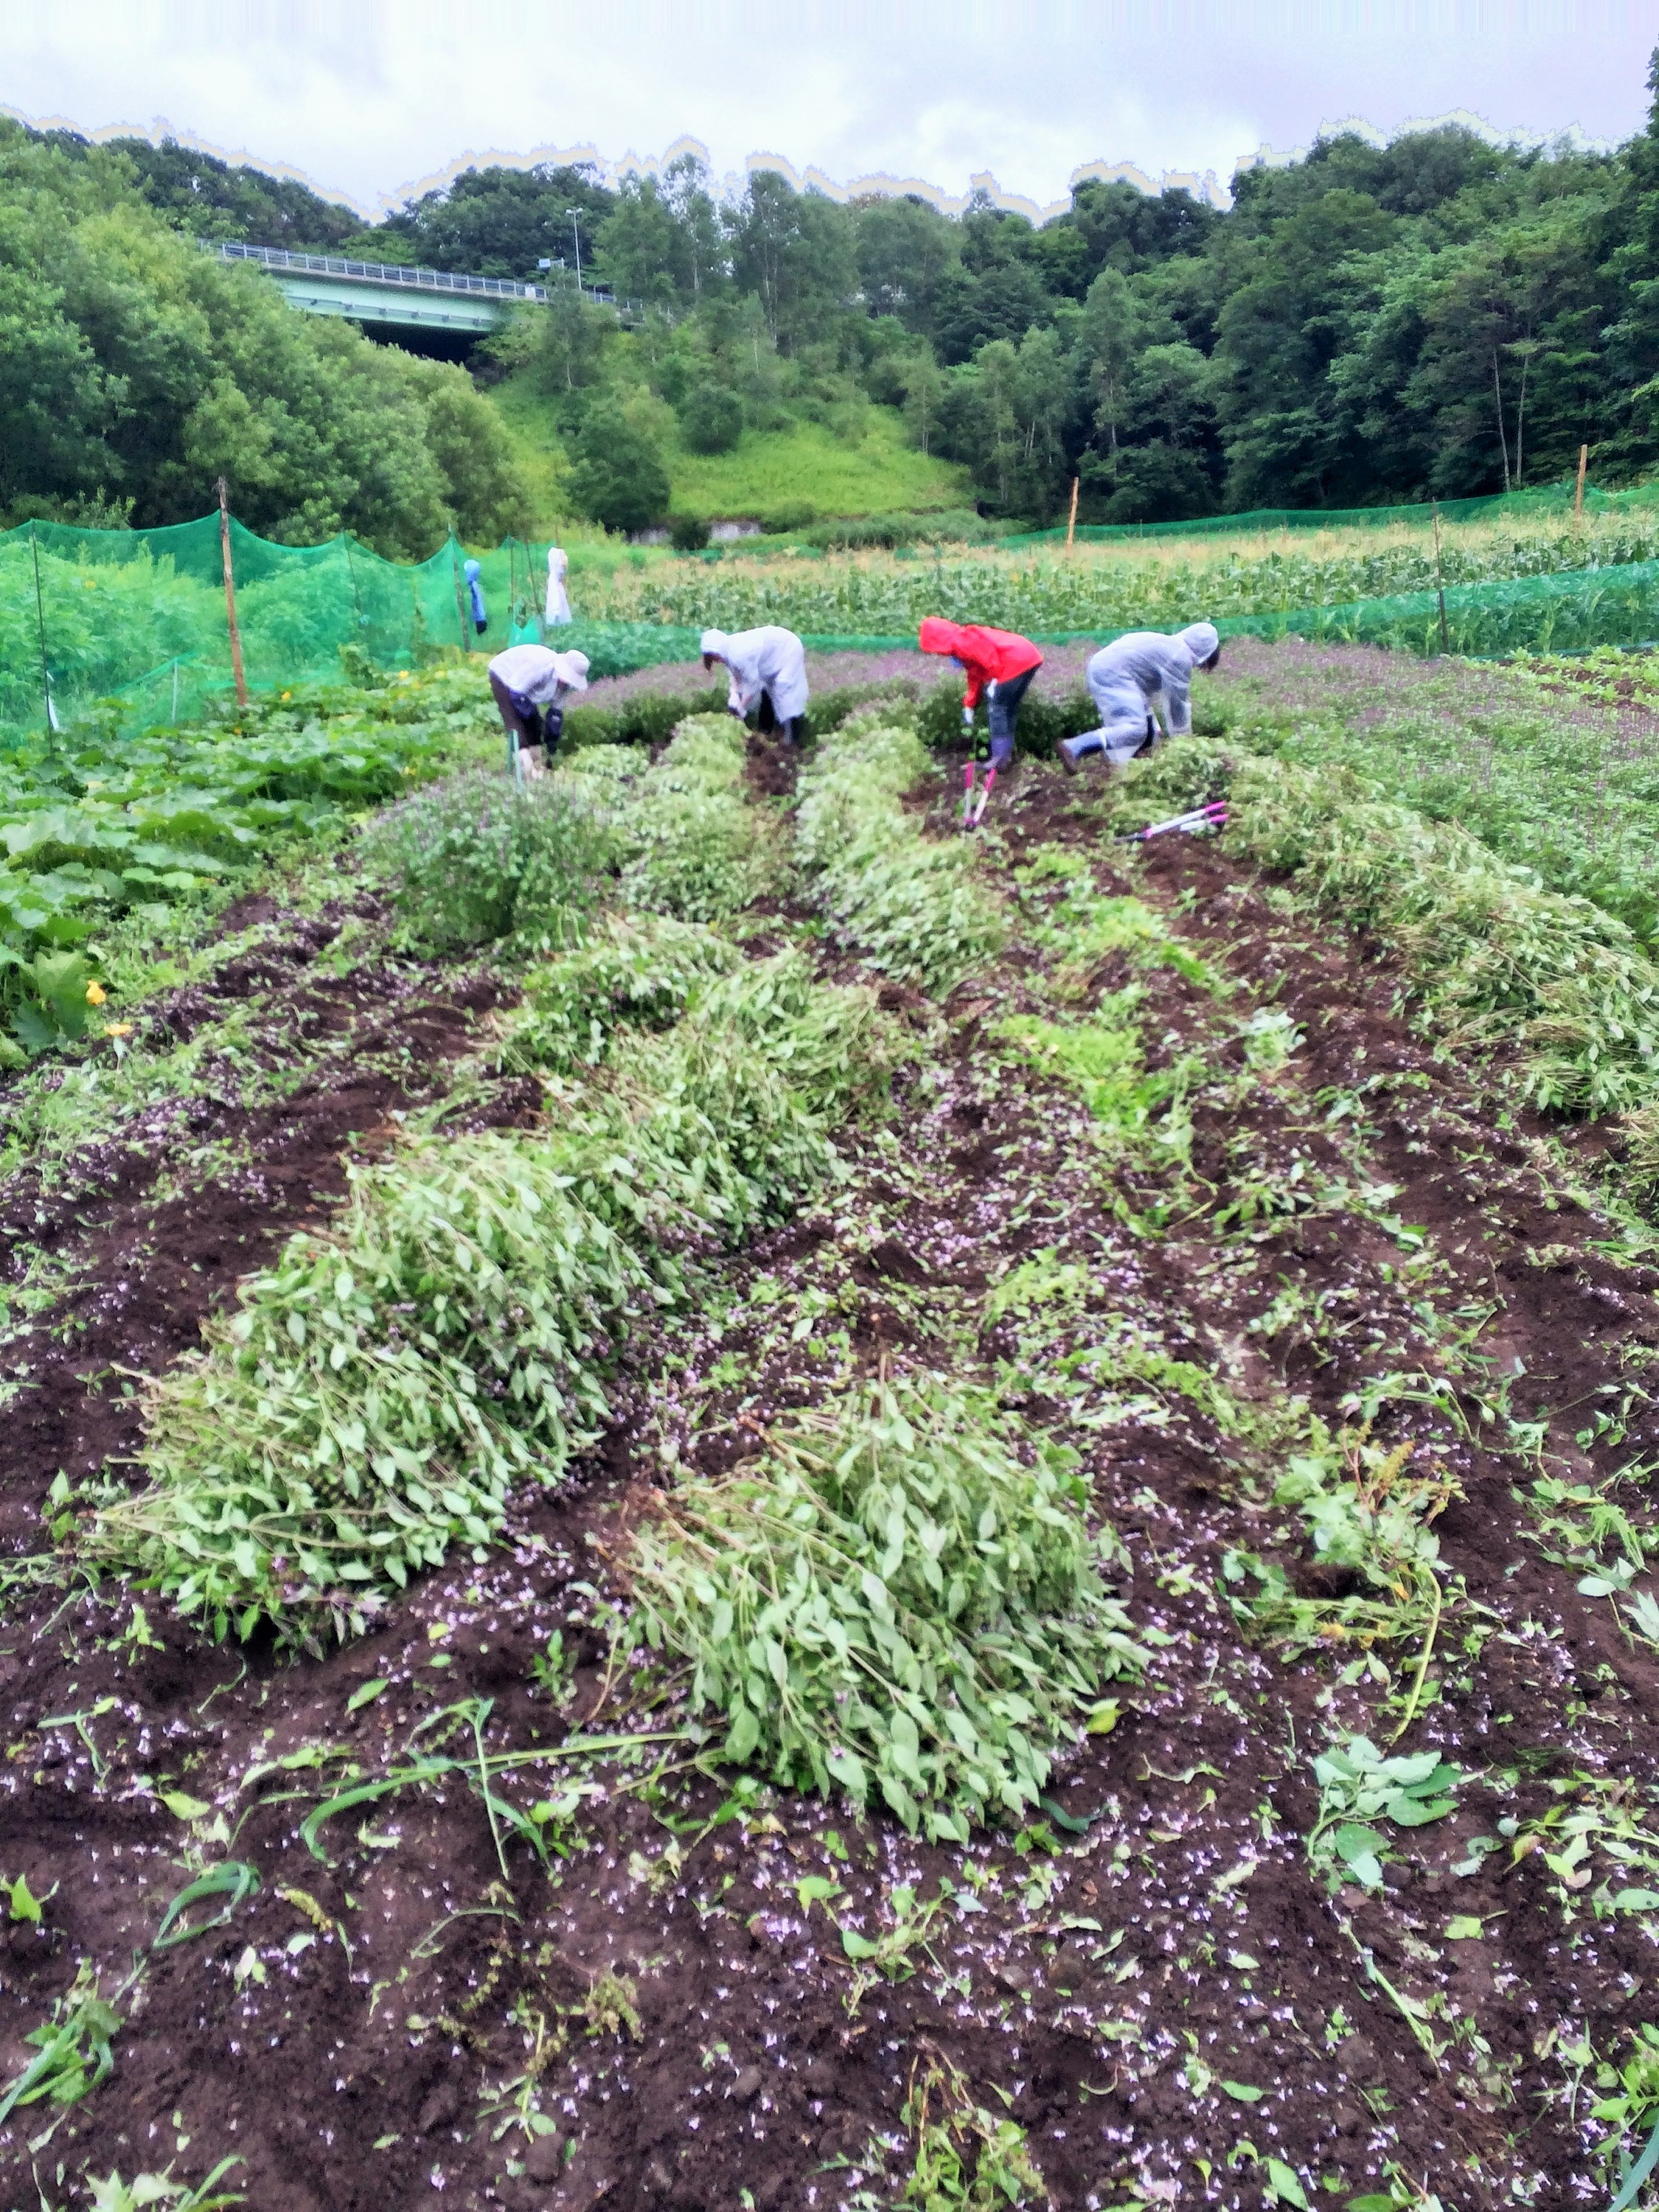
x,y
460,603
1439,578
345,545
40,619
236,668
1071,525
1578,496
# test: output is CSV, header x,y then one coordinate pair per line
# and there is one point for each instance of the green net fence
x,y
140,616
1549,502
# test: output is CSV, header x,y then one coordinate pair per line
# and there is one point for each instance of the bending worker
x,y
767,669
531,685
1134,679
998,662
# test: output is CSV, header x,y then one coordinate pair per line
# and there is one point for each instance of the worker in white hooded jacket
x,y
767,669
1138,680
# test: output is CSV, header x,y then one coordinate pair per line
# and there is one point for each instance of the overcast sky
x,y
369,98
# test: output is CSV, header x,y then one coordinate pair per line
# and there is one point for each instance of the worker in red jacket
x,y
998,663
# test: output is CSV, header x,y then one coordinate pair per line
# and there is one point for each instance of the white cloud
x,y
370,97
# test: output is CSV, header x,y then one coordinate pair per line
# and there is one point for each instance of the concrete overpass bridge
x,y
392,298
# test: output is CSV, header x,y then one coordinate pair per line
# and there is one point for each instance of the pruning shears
x,y
1213,816
973,807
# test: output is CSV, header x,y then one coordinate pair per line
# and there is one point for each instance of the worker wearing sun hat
x,y
1138,680
767,669
531,684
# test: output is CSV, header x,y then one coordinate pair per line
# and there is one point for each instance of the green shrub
x,y
915,908
890,1600
687,533
474,861
648,718
1043,722
617,478
711,422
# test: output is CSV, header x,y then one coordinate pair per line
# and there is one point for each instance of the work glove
x,y
967,718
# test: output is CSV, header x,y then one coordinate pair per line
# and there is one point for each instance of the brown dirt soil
x,y
1155,1986
153,1224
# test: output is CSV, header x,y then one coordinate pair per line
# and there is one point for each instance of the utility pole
x,y
236,669
574,215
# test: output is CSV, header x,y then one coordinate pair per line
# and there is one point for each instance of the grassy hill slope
x,y
767,469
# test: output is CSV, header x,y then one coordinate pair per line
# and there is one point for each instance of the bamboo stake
x,y
461,604
236,668
41,620
1439,577
1578,496
345,547
1071,525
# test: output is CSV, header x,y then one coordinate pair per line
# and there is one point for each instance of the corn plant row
x,y
880,595
916,907
380,1391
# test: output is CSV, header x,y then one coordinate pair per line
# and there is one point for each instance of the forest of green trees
x,y
1365,326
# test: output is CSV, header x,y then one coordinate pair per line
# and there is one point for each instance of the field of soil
x,y
1155,1981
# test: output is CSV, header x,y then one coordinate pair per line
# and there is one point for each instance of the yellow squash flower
x,y
96,994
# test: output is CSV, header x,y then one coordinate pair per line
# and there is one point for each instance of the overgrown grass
x,y
899,1598
1498,963
1540,759
636,971
915,908
767,472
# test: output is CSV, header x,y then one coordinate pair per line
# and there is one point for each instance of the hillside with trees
x,y
1439,316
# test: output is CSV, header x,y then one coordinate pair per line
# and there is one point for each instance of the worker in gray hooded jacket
x,y
1138,680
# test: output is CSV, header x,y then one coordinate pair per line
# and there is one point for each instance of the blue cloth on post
x,y
475,592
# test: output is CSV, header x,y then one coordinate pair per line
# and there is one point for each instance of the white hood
x,y
1200,639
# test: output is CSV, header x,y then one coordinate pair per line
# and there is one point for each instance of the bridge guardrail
x,y
406,277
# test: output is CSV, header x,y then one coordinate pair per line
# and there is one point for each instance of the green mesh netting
x,y
1555,500
138,616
